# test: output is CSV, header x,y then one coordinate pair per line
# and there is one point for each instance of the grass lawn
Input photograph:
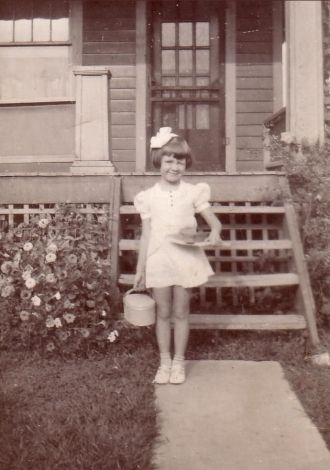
x,y
99,412
91,413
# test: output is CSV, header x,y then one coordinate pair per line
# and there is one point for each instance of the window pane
x,y
41,21
23,20
168,61
6,21
202,61
202,81
202,116
186,81
168,34
168,81
60,20
185,62
185,116
60,29
185,34
202,34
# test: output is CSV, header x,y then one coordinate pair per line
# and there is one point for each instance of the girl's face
x,y
172,169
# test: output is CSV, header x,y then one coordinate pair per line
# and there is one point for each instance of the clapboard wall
x,y
109,39
254,69
109,35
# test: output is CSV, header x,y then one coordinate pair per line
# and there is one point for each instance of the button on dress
x,y
167,263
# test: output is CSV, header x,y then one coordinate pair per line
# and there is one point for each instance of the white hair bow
x,y
163,136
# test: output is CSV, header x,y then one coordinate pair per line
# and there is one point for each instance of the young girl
x,y
171,270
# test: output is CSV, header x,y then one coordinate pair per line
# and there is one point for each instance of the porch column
x,y
305,113
92,121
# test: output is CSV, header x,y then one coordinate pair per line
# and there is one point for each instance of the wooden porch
x,y
264,264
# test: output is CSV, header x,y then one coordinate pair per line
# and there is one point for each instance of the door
x,y
187,76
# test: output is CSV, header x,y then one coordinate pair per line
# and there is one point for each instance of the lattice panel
x,y
239,224
12,215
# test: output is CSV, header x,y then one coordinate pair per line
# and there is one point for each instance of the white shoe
x,y
178,374
162,375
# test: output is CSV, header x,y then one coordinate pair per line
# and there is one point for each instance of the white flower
x,y
6,267
26,275
104,313
35,314
52,248
57,296
84,332
27,246
288,138
6,291
24,315
57,322
113,336
50,257
50,323
43,223
36,301
69,317
30,283
50,278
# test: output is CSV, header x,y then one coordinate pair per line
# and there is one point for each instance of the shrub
x,y
55,283
308,170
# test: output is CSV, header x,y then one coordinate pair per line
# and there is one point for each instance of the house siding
x,y
254,80
109,34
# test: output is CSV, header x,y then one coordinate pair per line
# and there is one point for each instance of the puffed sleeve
x,y
142,205
202,197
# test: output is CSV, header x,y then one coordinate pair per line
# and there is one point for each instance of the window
x,y
37,21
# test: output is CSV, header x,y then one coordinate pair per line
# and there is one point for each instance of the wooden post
x,y
305,108
305,295
92,121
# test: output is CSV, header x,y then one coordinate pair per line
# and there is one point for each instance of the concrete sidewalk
x,y
236,415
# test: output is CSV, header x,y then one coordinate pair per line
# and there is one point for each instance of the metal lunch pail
x,y
139,308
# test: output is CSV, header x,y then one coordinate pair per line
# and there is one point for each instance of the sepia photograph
x,y
164,235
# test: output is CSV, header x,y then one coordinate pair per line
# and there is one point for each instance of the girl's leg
x,y
181,310
163,299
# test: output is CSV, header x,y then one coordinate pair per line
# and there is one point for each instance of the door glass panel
x,y
202,116
185,113
202,81
202,61
168,34
186,81
168,61
185,62
202,34
185,34
168,81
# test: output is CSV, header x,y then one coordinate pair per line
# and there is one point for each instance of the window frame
x,y
67,42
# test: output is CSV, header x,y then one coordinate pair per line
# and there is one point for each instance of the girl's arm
x,y
140,276
215,225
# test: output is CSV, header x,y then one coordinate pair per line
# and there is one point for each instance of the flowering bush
x,y
55,283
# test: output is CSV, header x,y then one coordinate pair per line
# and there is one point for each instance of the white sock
x,y
178,360
165,359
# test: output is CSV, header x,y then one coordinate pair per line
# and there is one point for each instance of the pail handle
x,y
138,291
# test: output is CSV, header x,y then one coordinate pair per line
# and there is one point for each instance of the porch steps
x,y
259,228
235,280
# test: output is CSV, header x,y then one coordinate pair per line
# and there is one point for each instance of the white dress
x,y
169,264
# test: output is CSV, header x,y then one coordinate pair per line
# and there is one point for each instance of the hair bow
x,y
163,136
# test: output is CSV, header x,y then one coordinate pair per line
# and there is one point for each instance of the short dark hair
x,y
177,147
